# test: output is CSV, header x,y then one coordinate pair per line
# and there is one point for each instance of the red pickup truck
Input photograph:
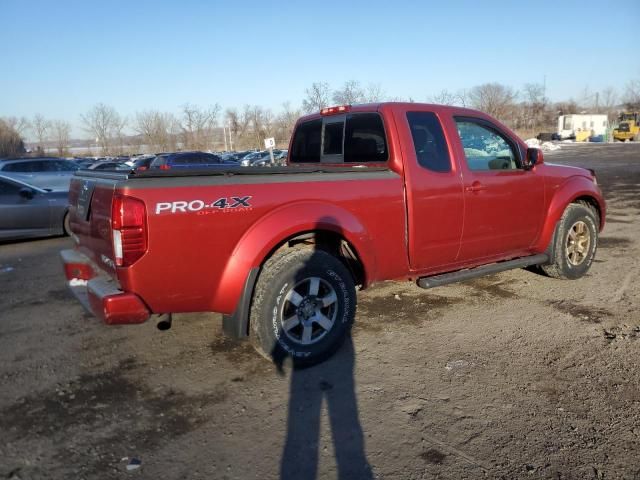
x,y
400,191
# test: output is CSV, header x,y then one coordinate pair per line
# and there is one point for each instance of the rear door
x,y
434,197
504,203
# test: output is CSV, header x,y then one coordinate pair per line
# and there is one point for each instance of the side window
x,y
64,166
46,166
333,136
365,140
354,138
8,189
306,142
484,148
22,167
429,142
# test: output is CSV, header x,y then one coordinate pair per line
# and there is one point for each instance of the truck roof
x,y
376,107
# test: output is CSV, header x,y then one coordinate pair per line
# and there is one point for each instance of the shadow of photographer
x,y
310,318
333,383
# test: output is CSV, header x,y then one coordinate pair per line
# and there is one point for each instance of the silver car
x,y
27,211
46,173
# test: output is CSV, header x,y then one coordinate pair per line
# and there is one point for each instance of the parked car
x,y
28,211
109,165
232,156
263,159
256,159
280,158
203,160
141,162
46,173
84,162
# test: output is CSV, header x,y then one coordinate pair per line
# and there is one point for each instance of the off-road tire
x,y
561,266
289,270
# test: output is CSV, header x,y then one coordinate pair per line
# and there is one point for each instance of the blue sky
x,y
61,57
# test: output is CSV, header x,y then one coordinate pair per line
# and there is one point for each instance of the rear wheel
x,y
575,243
303,307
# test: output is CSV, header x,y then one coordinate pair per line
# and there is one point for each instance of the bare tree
x,y
119,135
285,123
446,97
40,127
104,124
158,130
494,99
61,132
566,108
239,125
259,124
11,143
19,124
608,98
350,93
374,93
535,104
197,126
631,97
608,103
317,97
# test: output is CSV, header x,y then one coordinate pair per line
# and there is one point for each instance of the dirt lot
x,y
509,376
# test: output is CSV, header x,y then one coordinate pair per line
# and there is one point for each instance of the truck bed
x,y
193,250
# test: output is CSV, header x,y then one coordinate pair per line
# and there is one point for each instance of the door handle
x,y
475,187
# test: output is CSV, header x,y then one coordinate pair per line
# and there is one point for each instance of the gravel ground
x,y
509,376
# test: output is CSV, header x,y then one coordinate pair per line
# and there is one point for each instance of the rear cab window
x,y
347,138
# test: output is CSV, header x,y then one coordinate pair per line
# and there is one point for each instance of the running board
x,y
461,275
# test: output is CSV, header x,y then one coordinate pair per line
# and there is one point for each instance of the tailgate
x,y
90,199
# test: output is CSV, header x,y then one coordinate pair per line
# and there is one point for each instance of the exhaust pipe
x,y
164,322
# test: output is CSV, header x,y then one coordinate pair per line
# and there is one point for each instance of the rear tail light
x,y
142,168
129,232
165,167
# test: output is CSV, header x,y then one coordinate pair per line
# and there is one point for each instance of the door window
x,y
485,148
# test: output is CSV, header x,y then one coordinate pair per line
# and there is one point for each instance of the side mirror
x,y
534,157
27,193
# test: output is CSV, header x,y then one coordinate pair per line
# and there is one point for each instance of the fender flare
x,y
573,189
274,229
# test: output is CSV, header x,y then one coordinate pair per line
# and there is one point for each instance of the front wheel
x,y
575,243
303,307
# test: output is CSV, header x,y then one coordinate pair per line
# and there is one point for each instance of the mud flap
x,y
236,325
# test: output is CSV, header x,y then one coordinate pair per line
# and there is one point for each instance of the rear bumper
x,y
99,294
